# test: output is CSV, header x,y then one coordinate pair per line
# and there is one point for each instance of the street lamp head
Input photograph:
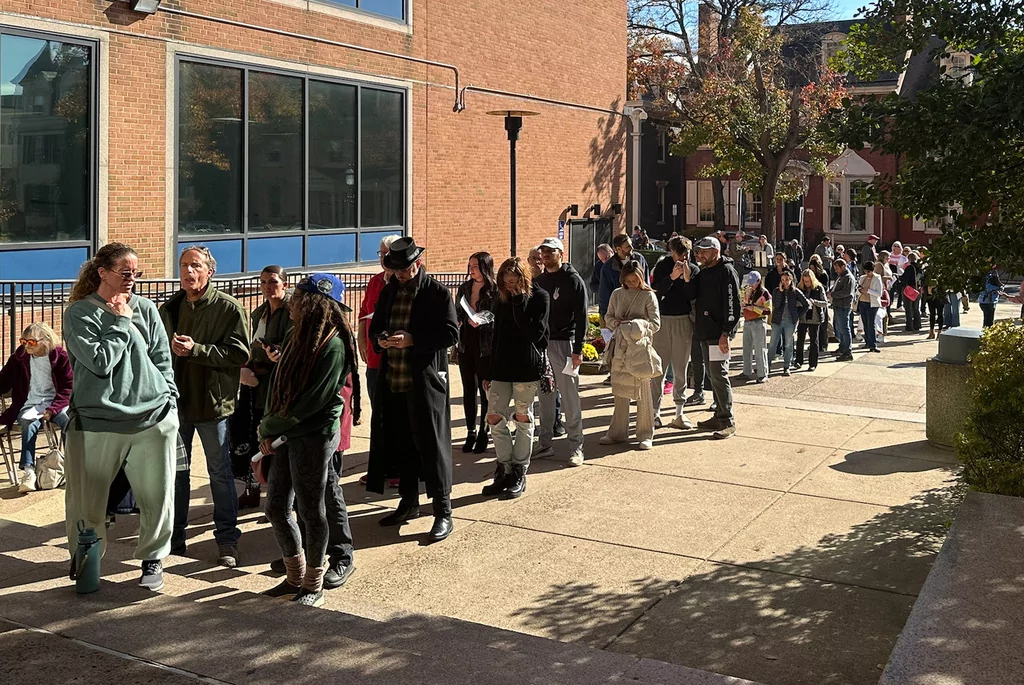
x,y
512,113
145,6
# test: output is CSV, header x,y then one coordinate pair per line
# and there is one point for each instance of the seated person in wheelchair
x,y
38,377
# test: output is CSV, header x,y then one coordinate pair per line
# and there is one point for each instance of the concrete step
x,y
230,636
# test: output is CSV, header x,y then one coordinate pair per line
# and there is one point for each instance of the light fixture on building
x,y
617,208
350,177
513,124
145,6
596,209
574,210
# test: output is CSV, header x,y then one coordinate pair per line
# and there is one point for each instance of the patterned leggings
x,y
298,476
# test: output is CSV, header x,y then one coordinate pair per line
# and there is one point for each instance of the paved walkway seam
x,y
847,410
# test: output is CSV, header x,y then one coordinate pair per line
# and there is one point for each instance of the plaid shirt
x,y
399,366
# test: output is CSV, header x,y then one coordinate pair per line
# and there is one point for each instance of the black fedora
x,y
402,254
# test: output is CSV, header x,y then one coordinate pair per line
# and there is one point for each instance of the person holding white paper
x,y
717,307
634,317
475,298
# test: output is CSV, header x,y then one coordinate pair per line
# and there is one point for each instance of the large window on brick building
x,y
394,9
280,168
47,143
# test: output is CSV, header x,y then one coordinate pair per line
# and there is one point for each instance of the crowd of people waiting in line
x,y
273,395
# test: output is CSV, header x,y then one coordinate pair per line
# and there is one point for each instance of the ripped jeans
x,y
520,396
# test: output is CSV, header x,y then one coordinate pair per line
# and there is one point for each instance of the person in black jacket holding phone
x,y
520,338
414,324
716,291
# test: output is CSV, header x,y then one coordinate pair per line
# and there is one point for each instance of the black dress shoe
x,y
470,442
441,529
501,479
277,566
405,512
516,482
336,575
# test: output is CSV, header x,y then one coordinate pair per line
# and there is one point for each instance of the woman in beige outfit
x,y
634,318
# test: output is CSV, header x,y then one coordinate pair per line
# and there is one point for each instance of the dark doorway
x,y
791,219
584,237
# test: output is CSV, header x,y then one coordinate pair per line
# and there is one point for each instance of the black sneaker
x,y
308,598
694,400
712,424
336,575
282,589
559,429
152,575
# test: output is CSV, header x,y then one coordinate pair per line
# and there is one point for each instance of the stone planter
x,y
591,369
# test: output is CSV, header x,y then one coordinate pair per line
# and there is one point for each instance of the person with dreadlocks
x,y
304,406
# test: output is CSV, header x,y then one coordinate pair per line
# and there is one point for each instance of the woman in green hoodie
x,y
304,405
123,408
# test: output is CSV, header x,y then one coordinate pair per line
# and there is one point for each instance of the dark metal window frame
x,y
404,19
305,233
94,141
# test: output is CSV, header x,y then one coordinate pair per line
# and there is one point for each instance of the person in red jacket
x,y
38,376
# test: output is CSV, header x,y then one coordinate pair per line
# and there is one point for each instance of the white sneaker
x,y
576,458
682,423
645,444
543,452
605,440
28,481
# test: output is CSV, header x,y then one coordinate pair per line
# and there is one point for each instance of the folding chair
x,y
7,446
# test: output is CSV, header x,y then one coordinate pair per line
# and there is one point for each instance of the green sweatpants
x,y
91,462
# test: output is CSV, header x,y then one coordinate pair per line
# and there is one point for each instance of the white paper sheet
x,y
715,354
606,333
31,414
569,370
480,318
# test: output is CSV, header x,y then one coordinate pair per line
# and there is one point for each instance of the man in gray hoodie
x,y
844,289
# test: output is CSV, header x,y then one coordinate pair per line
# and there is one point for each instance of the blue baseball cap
x,y
324,284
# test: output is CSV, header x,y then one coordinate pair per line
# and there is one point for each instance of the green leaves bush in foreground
x,y
991,445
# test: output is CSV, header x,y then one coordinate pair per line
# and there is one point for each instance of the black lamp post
x,y
513,124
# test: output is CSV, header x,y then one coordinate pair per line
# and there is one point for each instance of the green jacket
x,y
320,405
208,380
123,377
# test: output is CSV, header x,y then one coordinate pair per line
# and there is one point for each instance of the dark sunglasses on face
x,y
127,275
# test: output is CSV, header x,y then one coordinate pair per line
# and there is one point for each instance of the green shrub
x,y
991,445
652,256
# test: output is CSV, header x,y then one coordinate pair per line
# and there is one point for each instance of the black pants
x,y
988,310
807,330
470,368
700,380
298,476
339,533
913,309
935,313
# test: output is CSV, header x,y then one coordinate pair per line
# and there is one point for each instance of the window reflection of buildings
x,y
44,179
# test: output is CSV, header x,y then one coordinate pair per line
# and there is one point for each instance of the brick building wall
x,y
458,198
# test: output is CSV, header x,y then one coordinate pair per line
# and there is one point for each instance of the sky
x,y
847,9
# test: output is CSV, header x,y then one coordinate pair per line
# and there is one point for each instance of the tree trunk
x,y
768,206
718,192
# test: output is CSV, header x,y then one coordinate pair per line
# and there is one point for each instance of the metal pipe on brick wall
x,y
458,107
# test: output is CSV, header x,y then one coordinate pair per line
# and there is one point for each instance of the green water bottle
x,y
87,561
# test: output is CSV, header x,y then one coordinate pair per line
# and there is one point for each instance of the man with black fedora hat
x,y
413,326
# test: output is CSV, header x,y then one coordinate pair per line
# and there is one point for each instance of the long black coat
x,y
434,328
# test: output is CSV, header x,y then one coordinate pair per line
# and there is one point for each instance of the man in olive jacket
x,y
209,334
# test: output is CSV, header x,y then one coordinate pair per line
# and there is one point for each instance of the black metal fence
x,y
24,302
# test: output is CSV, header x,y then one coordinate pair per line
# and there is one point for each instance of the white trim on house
x,y
353,14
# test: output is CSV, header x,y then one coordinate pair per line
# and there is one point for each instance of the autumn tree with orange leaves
x,y
757,105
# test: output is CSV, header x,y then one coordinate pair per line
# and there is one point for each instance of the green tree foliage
x,y
991,445
961,140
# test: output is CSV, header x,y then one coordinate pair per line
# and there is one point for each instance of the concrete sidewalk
x,y
788,555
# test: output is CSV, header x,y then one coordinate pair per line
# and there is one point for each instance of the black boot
x,y
516,482
406,511
442,527
470,441
501,479
481,440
